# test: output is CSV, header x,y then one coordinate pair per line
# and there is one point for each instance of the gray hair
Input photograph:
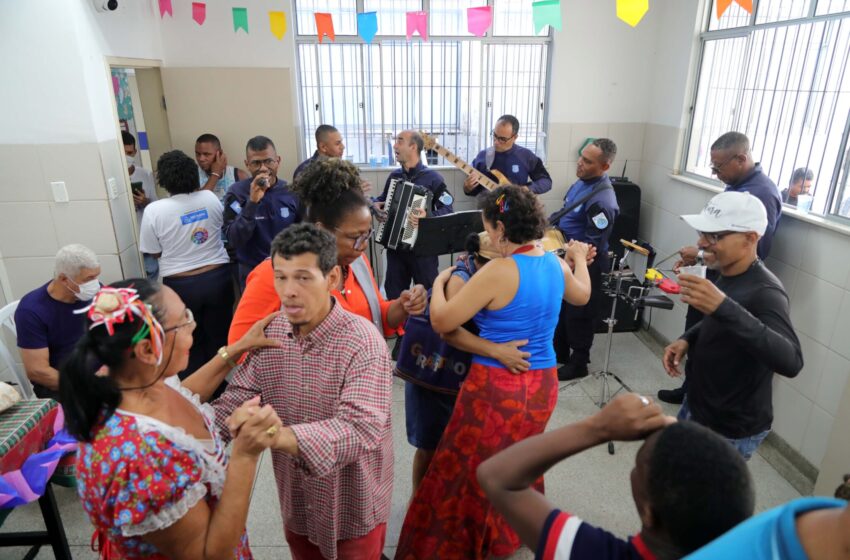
x,y
736,141
71,259
608,147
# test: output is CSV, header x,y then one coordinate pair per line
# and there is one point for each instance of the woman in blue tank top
x,y
511,298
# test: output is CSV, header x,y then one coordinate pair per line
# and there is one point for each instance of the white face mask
x,y
87,289
131,161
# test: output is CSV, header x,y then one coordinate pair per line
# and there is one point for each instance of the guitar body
x,y
498,177
554,242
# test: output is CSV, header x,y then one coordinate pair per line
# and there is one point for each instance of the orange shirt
x,y
260,298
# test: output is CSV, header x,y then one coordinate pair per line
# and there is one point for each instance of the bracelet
x,y
215,174
222,353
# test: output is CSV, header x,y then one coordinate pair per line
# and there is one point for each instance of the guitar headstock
x,y
429,141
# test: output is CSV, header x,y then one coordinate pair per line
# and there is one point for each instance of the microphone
x,y
263,182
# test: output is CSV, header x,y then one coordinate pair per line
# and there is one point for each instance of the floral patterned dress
x,y
140,475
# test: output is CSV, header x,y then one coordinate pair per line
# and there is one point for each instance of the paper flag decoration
x,y
723,5
165,7
199,12
240,19
277,21
546,12
479,20
324,26
632,11
367,25
417,22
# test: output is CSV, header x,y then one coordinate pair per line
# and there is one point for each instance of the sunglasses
x,y
714,238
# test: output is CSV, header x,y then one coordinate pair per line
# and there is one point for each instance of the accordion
x,y
402,197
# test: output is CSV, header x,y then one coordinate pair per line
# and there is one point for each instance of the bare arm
x,y
576,284
475,295
38,369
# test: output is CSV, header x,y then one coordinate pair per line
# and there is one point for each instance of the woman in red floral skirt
x,y
515,297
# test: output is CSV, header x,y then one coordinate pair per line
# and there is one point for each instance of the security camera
x,y
105,5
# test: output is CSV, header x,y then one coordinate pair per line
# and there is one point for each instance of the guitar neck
x,y
484,181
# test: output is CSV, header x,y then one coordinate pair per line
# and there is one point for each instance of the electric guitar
x,y
483,180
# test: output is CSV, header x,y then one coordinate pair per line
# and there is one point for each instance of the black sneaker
x,y
570,372
672,396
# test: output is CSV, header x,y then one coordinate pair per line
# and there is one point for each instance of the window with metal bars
x,y
453,86
780,75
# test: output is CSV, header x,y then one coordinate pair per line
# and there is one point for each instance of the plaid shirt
x,y
333,387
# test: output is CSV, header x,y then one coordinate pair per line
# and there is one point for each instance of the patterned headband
x,y
112,306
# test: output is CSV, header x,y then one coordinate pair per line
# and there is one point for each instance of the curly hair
x,y
518,209
177,173
306,238
330,189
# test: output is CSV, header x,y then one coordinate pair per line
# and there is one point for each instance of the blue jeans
x,y
151,266
746,446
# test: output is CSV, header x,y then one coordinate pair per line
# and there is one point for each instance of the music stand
x,y
441,235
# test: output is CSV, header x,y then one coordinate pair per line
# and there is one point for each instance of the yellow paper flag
x,y
723,5
632,11
277,20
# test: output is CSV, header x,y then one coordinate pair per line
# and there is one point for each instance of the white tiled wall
x,y
809,260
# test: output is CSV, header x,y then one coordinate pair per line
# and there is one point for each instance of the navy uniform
x,y
591,222
402,266
518,164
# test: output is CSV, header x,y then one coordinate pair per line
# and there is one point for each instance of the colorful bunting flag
x,y
546,12
240,19
367,25
417,22
199,12
723,5
324,25
277,21
165,7
632,11
479,20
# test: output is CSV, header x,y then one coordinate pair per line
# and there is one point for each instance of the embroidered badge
x,y
236,207
284,212
515,168
600,220
200,235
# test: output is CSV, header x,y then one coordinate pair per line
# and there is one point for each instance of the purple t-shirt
x,y
43,322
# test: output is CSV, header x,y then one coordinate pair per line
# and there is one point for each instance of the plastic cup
x,y
804,202
696,270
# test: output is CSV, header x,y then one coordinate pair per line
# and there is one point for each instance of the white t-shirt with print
x,y
186,229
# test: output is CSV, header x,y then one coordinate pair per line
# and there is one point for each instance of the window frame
x,y
835,192
306,148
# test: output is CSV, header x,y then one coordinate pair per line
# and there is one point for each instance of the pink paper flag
x,y
165,8
417,21
479,20
199,12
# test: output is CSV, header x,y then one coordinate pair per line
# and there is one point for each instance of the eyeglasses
x,y
715,169
360,240
714,238
189,320
257,163
502,139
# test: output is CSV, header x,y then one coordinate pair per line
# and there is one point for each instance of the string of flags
x,y
545,13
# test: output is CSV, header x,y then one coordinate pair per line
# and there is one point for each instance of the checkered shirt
x,y
333,387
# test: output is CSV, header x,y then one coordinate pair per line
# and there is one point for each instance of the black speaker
x,y
625,227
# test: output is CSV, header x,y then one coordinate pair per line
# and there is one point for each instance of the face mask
x,y
87,289
131,161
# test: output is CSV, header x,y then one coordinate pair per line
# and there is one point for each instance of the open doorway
x,y
141,117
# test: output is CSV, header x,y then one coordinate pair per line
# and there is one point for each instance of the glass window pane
x,y
514,18
734,16
448,17
781,10
344,13
392,14
832,6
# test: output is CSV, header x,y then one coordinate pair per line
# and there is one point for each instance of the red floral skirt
x,y
450,517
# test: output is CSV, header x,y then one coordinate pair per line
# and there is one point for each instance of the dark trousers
x,y
404,266
210,297
574,333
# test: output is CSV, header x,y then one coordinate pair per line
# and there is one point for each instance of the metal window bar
x,y
788,89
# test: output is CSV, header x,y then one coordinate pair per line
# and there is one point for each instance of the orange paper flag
x,y
723,5
324,26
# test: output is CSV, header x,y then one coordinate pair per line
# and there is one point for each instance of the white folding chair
x,y
7,321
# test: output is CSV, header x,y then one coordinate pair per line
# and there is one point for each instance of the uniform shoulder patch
x,y
600,220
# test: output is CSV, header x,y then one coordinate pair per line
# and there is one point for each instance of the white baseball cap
x,y
730,211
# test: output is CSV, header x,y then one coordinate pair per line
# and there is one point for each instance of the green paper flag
x,y
240,19
546,12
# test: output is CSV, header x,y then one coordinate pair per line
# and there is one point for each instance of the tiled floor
x,y
594,484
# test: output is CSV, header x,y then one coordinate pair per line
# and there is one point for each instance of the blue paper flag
x,y
367,25
143,140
